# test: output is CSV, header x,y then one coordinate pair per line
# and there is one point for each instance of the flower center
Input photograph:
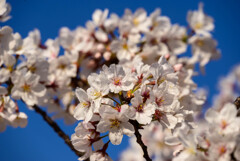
x,y
198,25
222,150
158,115
97,94
115,123
85,104
62,66
136,22
200,43
140,108
26,88
117,82
224,124
125,46
191,150
32,69
10,68
159,101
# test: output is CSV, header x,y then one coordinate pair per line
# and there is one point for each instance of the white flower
x,y
200,22
118,79
27,87
5,8
85,145
203,49
99,16
225,121
174,39
111,23
98,89
142,111
125,49
220,148
138,21
116,123
63,66
162,71
66,38
84,110
36,64
162,96
52,50
9,62
30,44
19,120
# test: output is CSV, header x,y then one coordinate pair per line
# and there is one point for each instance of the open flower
x,y
27,87
116,123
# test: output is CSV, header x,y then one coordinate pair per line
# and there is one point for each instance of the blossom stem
x,y
112,99
103,136
139,139
57,129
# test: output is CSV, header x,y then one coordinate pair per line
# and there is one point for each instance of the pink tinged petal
x,y
116,136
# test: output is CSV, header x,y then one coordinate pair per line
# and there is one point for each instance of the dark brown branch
x,y
57,129
139,139
237,103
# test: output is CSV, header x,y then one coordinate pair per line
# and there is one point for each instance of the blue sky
x,y
38,142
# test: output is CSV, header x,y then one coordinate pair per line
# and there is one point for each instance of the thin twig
x,y
139,139
57,129
237,104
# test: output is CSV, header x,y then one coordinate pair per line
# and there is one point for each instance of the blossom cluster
x,y
229,88
138,89
128,73
39,74
216,136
